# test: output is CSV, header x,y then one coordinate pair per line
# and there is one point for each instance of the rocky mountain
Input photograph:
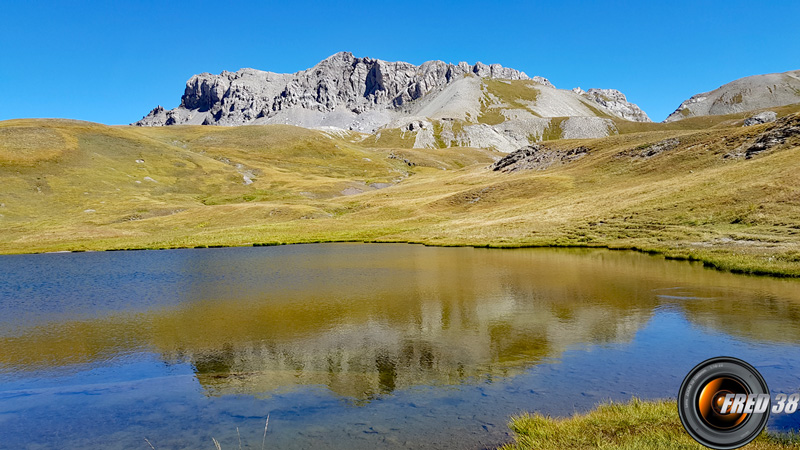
x,y
342,91
487,104
744,94
614,101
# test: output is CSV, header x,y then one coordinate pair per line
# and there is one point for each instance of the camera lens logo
x,y
724,403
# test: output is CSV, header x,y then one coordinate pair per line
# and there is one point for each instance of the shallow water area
x,y
361,345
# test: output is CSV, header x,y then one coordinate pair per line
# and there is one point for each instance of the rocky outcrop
x,y
615,102
744,94
785,130
492,71
342,91
762,117
537,157
648,151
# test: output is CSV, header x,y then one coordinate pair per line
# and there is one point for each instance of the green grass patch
x,y
510,94
597,112
458,127
437,135
698,123
491,114
392,138
635,425
553,131
512,91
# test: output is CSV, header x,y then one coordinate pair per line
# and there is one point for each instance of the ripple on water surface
x,y
358,346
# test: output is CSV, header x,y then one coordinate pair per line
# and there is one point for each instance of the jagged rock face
x,y
744,94
238,95
614,102
341,84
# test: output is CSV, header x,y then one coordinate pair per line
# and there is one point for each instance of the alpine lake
x,y
350,346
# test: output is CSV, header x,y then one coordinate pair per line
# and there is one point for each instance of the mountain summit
x,y
365,94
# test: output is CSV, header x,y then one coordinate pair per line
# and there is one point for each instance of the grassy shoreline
x,y
636,424
725,263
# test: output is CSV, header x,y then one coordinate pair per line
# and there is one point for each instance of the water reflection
x,y
367,320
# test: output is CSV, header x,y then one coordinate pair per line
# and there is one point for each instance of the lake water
x,y
361,345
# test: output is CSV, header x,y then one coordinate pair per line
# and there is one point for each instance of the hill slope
x,y
744,94
718,192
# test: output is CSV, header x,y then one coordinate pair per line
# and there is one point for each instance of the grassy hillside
x,y
69,185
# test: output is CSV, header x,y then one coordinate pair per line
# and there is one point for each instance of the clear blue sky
x,y
112,62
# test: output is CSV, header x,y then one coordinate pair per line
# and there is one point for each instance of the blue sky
x,y
112,62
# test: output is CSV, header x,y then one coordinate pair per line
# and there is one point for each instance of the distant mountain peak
x,y
744,94
477,105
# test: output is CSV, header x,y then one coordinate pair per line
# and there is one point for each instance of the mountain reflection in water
x,y
366,320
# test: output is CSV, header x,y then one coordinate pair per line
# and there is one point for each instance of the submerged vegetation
x,y
70,185
634,425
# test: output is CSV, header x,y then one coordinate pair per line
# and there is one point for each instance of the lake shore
x,y
751,260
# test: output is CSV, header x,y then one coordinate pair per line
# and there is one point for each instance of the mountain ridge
x,y
365,94
743,94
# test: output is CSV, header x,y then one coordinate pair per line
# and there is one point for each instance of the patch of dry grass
x,y
634,425
505,94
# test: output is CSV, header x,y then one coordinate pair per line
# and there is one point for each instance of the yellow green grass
x,y
505,94
553,131
638,425
700,122
69,185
